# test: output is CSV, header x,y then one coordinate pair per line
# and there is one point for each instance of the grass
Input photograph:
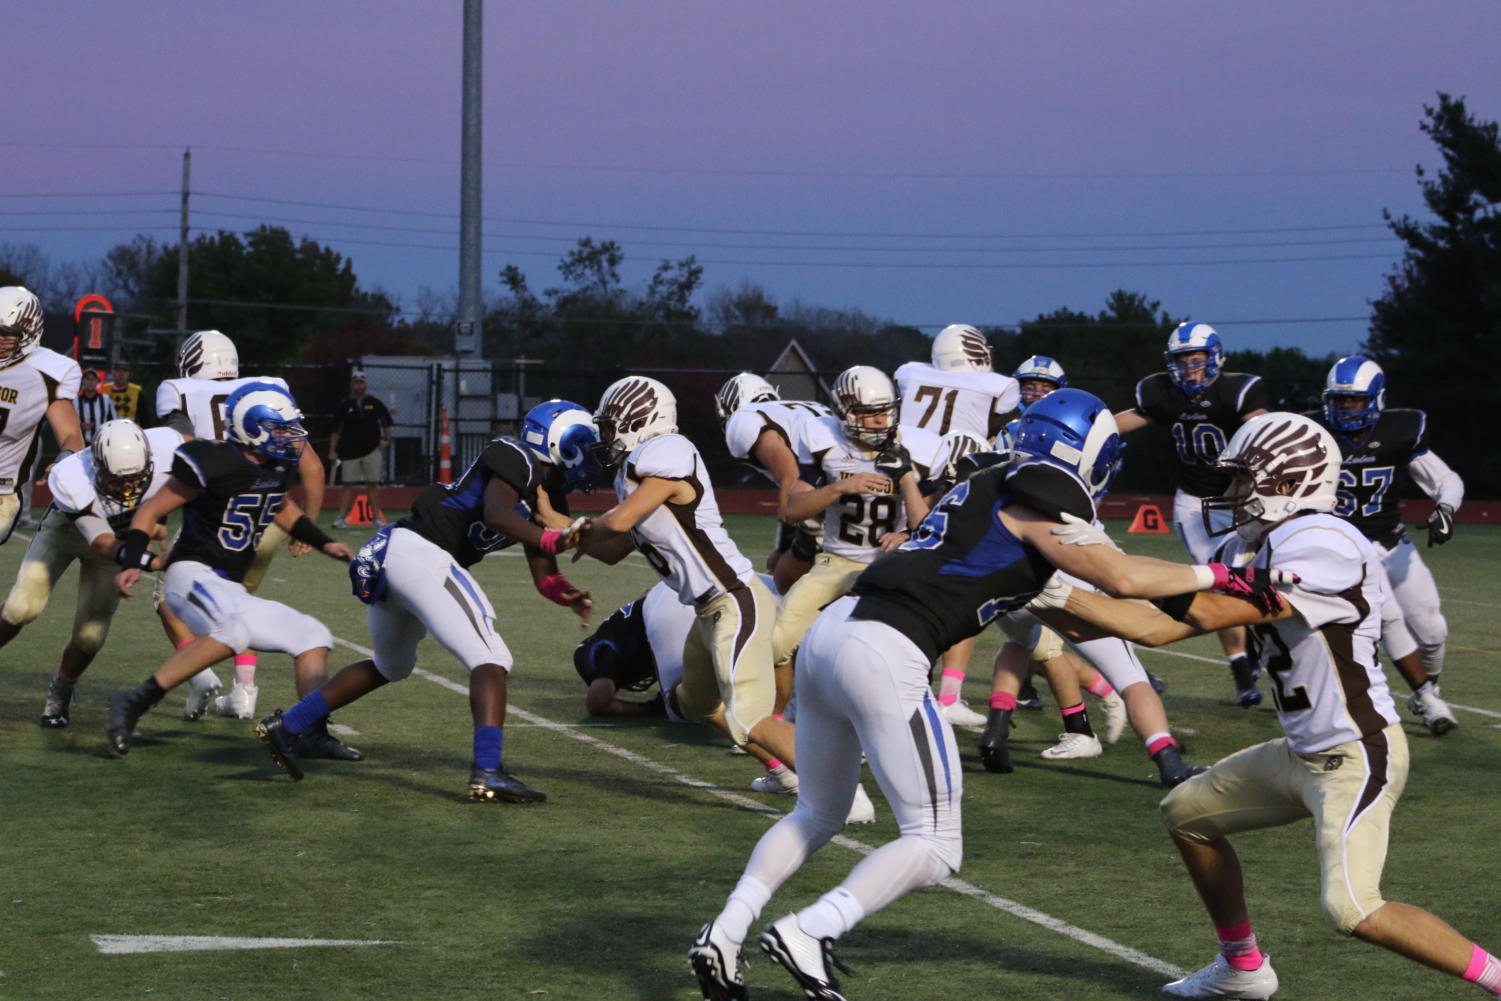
x,y
597,894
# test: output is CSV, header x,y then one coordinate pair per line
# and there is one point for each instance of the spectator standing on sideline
x,y
358,443
94,407
126,394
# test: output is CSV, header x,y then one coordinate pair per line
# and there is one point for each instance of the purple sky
x,y
1018,156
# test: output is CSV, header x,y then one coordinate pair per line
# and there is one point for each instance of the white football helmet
x,y
861,395
951,448
1283,464
21,318
122,462
961,348
208,354
632,410
741,390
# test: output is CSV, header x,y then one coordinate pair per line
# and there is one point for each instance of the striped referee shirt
x,y
92,412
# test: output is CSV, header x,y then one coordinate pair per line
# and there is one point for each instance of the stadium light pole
x,y
469,337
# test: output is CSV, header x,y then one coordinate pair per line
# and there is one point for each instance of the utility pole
x,y
182,244
469,338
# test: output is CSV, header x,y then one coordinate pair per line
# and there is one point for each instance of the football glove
x,y
895,461
1075,531
1259,587
1440,525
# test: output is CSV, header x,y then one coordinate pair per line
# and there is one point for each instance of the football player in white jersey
x,y
208,364
35,382
94,494
668,512
764,430
959,390
1343,761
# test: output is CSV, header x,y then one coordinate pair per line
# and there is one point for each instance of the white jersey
x,y
854,524
27,389
203,401
941,401
685,543
668,622
923,446
72,484
1326,680
786,418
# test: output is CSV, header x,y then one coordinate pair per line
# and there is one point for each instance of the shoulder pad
x,y
1048,490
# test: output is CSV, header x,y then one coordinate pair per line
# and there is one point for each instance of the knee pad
x,y
395,669
1178,813
947,852
29,596
314,635
1343,913
89,636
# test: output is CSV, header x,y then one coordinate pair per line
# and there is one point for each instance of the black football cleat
x,y
1158,685
282,745
497,786
1173,770
55,710
319,743
1028,698
125,710
995,755
1246,675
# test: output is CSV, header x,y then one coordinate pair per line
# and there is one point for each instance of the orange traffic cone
x,y
361,513
445,448
1148,520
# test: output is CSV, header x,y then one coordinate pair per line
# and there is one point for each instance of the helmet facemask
x,y
1281,465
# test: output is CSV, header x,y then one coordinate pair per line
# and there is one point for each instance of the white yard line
x,y
959,886
129,945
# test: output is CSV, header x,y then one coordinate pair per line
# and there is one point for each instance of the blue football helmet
x,y
1194,377
563,434
1039,368
263,417
1354,378
1076,432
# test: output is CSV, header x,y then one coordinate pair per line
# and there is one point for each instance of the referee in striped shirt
x,y
94,407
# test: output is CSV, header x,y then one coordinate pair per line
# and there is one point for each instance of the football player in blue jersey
x,y
414,576
230,492
1382,447
989,547
1201,406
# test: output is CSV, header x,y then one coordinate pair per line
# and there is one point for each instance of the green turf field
x,y
597,894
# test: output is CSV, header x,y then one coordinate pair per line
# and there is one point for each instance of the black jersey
x,y
223,525
1201,424
619,650
453,516
1373,470
962,568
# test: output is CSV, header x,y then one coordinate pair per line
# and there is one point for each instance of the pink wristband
x,y
553,587
549,542
1221,575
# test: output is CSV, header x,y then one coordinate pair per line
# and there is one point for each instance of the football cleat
x,y
1158,684
862,810
239,703
55,709
319,743
773,783
1221,980
1115,716
1172,769
496,786
1246,674
806,958
994,754
716,963
202,687
959,714
125,709
1437,716
1028,698
1073,745
281,743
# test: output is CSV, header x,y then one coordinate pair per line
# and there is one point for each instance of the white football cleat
x,y
959,714
1221,980
808,959
774,783
716,963
202,687
1115,716
1074,745
862,810
239,703
1437,716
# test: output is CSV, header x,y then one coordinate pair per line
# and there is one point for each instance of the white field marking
x,y
958,886
1213,660
342,730
127,945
